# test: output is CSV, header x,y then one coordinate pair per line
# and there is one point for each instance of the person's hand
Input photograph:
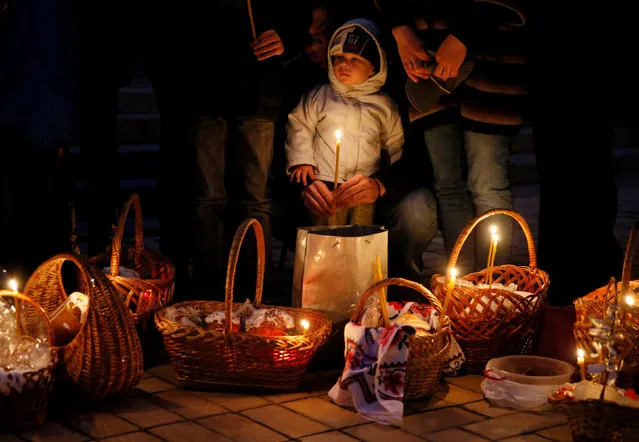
x,y
449,57
319,200
358,190
267,45
412,52
303,173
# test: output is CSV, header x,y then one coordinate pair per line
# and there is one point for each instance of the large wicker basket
x,y
154,290
594,305
24,406
105,358
226,359
427,354
491,322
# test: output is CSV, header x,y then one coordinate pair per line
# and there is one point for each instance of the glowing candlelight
x,y
493,232
13,285
451,284
305,325
580,360
492,253
630,301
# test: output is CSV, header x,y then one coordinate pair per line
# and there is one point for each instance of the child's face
x,y
351,69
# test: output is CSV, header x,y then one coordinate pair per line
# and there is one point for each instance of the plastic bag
x,y
502,392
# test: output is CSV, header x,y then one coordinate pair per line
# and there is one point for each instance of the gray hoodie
x,y
367,118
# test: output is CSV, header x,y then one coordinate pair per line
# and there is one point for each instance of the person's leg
x,y
444,144
488,158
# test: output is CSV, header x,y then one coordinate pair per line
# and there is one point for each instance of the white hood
x,y
374,83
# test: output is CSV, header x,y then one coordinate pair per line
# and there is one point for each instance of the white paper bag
x,y
333,267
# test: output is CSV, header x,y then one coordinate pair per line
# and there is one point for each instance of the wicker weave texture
x,y
491,322
105,358
595,420
226,359
427,354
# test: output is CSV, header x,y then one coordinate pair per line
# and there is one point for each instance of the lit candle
x,y
580,361
338,144
305,325
13,285
630,301
451,284
493,252
493,232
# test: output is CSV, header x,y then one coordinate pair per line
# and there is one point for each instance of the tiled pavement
x,y
159,410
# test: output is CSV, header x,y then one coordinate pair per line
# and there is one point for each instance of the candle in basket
x,y
305,325
338,144
493,232
582,365
630,300
13,285
493,252
451,285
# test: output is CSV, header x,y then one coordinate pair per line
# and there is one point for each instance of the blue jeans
x,y
462,197
239,155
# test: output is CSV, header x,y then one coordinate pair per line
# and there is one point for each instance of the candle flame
x,y
305,324
580,354
338,134
493,229
630,300
495,238
453,273
13,285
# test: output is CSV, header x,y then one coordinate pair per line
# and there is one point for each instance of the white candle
x,y
580,360
305,325
451,284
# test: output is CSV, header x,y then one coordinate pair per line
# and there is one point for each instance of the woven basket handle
x,y
463,236
627,261
238,239
22,298
116,245
359,310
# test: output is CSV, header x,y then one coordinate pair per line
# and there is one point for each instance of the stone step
x,y
137,100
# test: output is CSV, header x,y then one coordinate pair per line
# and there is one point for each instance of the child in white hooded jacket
x,y
352,105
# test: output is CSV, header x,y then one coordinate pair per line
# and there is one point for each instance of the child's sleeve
x,y
393,139
300,132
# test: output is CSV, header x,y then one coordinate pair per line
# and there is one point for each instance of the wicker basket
x,y
490,323
24,407
427,354
105,358
594,305
226,359
143,296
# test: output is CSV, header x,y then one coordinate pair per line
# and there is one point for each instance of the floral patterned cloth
x,y
373,377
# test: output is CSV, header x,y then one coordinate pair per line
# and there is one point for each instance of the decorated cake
x,y
269,322
215,321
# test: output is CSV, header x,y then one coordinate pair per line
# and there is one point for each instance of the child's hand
x,y
304,174
267,45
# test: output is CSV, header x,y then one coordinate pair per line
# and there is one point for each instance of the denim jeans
x,y
233,157
461,196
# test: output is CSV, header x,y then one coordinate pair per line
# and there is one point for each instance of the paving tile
x,y
561,433
313,383
287,397
99,424
326,412
53,431
138,436
232,401
424,404
470,382
154,385
240,428
143,413
331,436
422,423
381,433
458,395
186,404
166,372
285,421
187,431
526,438
487,409
512,425
453,435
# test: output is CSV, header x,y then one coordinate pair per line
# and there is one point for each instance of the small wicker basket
x,y
427,354
105,357
594,305
227,359
24,406
154,290
492,322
